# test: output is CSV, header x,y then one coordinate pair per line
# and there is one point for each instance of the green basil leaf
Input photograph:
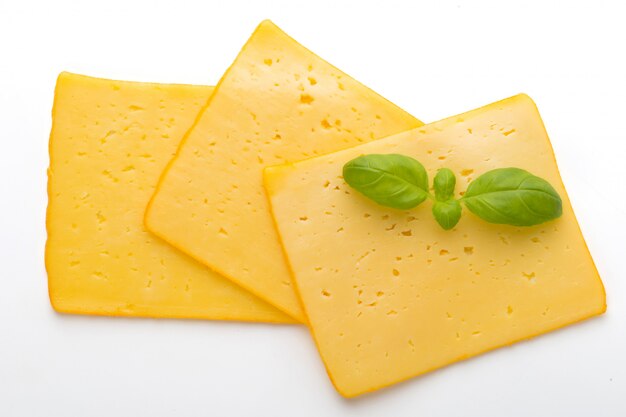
x,y
390,180
447,213
513,196
444,184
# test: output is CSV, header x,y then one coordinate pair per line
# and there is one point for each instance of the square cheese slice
x,y
110,141
390,295
277,103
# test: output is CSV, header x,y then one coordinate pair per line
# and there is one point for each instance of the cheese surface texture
x,y
390,295
277,103
110,141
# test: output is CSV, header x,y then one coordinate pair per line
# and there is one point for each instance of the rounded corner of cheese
x,y
276,104
109,143
391,295
523,97
272,175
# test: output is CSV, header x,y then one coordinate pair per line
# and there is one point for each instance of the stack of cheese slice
x,y
387,294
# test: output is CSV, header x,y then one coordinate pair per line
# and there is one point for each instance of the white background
x,y
435,59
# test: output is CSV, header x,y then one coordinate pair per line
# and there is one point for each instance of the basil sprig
x,y
503,196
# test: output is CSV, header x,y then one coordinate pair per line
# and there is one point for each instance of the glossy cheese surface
x,y
277,103
110,141
390,294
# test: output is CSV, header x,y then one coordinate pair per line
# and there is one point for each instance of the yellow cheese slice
x,y
110,141
390,295
277,103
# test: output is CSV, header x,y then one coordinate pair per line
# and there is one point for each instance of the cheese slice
x,y
390,295
110,141
277,103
